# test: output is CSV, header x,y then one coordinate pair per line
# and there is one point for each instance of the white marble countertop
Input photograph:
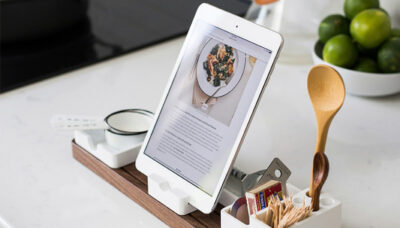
x,y
41,185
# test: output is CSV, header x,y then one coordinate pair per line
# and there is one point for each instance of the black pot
x,y
27,20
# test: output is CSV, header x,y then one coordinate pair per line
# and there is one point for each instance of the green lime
x,y
384,11
365,64
389,56
370,28
333,25
395,32
353,7
340,51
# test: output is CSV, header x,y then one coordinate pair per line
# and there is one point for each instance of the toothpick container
x,y
328,216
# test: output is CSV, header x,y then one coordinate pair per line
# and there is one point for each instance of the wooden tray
x,y
133,184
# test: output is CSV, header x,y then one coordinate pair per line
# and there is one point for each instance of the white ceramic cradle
x,y
111,149
329,215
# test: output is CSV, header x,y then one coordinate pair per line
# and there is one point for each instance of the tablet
x,y
214,89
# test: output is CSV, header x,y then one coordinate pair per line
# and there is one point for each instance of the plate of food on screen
x,y
219,68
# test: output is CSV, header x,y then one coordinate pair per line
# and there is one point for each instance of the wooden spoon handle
x,y
323,122
320,174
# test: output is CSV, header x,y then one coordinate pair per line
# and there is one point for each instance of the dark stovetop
x,y
111,29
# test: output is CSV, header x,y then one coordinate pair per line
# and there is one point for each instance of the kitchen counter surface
x,y
41,185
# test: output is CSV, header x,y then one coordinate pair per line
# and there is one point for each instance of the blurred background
x,y
43,38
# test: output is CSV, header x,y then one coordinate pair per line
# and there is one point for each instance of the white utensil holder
x,y
328,216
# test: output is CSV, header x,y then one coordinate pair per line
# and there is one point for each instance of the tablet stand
x,y
177,200
174,198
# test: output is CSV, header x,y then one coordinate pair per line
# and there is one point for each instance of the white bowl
x,y
361,83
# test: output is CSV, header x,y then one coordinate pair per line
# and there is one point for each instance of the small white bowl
x,y
361,83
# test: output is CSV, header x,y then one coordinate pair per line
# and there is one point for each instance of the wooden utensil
x,y
320,174
327,92
264,2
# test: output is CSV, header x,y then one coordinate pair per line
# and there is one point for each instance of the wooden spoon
x,y
320,174
327,92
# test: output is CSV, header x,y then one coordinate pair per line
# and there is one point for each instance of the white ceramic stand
x,y
329,215
94,141
174,198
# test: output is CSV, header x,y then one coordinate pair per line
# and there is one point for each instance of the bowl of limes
x,y
363,47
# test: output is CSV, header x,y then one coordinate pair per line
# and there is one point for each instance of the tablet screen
x,y
206,105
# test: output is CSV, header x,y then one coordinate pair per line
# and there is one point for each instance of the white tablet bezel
x,y
241,28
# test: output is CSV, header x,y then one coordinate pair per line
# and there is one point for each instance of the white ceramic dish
x,y
207,87
361,83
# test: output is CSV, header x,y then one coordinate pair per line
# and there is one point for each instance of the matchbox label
x,y
257,201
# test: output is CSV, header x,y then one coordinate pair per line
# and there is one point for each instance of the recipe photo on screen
x,y
206,105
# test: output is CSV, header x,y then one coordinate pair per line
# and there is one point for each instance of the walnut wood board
x,y
133,184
